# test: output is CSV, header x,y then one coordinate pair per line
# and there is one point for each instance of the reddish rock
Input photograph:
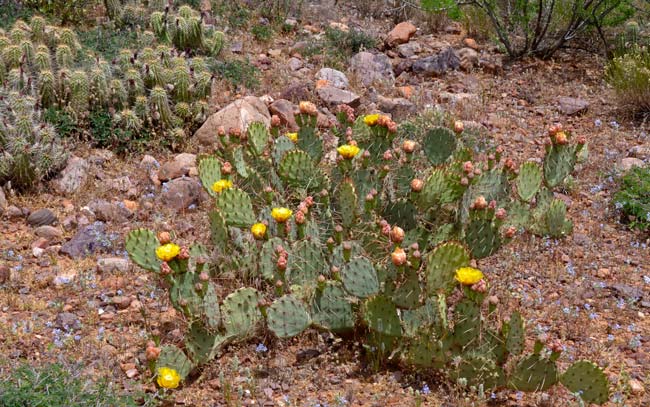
x,y
401,34
469,42
285,111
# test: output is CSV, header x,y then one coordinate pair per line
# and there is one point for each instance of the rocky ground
x,y
67,288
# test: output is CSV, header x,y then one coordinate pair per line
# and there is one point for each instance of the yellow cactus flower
x,y
258,230
292,136
348,151
468,275
168,251
281,215
221,185
371,119
168,378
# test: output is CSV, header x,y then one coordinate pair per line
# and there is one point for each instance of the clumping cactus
x,y
380,241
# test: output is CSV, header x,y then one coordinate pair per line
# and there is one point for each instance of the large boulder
x,y
285,110
372,68
401,34
73,176
332,96
334,77
237,115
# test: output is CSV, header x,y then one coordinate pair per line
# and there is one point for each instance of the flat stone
x,y
630,162
333,77
73,176
372,68
295,63
409,49
48,232
437,64
471,43
571,106
458,98
120,184
113,264
41,217
13,211
181,193
110,211
636,387
298,92
400,34
237,115
87,241
399,108
334,96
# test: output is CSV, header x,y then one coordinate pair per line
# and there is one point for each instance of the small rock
x,y
334,77
4,274
65,278
14,212
603,273
334,96
181,193
372,68
290,22
285,111
149,163
237,47
295,63
337,26
468,58
109,211
171,170
630,162
636,387
437,64
571,106
492,65
69,223
469,42
409,49
41,217
48,232
458,98
405,91
67,321
120,184
87,241
73,176
112,264
41,243
121,302
399,108
275,52
400,34
298,92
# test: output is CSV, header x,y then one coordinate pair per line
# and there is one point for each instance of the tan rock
x,y
238,114
630,162
468,58
285,110
401,34
469,42
636,387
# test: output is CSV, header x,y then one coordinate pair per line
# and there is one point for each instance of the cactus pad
x,y
201,344
401,212
482,237
268,259
588,380
559,163
287,317
360,278
218,230
306,263
258,137
209,172
348,203
281,146
141,245
240,312
380,314
442,264
468,322
528,180
534,373
556,223
480,369
516,334
297,170
407,293
439,144
331,310
236,207
174,358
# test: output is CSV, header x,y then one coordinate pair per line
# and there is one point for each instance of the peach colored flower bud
x,y
555,346
464,181
226,168
492,157
479,287
221,131
397,234
385,230
492,204
309,201
204,276
417,185
308,108
275,120
324,193
468,166
152,353
182,302
500,214
321,278
349,133
365,154
417,254
334,270
388,155
282,263
510,232
509,164
347,246
582,140
369,197
279,283
300,217
499,150
554,129
392,127
184,253
408,146
165,270
198,287
480,202
398,257
234,131
338,229
477,171
164,238
561,138
458,126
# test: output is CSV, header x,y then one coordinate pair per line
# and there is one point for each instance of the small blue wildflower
x,y
646,279
587,306
593,315
425,389
610,337
261,348
614,124
598,123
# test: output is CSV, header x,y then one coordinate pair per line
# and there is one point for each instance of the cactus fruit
x,y
174,358
240,312
442,264
141,245
360,278
331,310
439,145
533,373
588,381
236,207
287,317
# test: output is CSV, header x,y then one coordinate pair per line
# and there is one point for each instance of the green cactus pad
x,y
587,380
439,144
401,212
533,373
268,259
407,293
141,244
258,137
360,278
482,237
310,142
209,172
380,314
239,162
559,163
298,170
442,264
240,312
556,223
436,190
516,337
210,310
306,263
236,207
493,185
468,323
348,204
337,258
528,181
218,230
433,314
174,358
287,317
331,310
201,344
426,351
281,146
479,370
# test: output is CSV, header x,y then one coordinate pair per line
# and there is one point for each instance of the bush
x,y
633,198
629,75
376,244
350,42
262,32
540,28
65,11
54,385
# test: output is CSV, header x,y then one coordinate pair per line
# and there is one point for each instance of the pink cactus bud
x,y
369,197
417,185
458,126
554,129
477,171
398,257
309,201
510,232
275,120
282,263
408,146
468,166
492,204
500,214
397,234
388,155
480,287
184,253
226,168
480,202
300,217
510,164
165,270
221,131
582,140
385,230
279,283
204,276
464,181
334,270
321,279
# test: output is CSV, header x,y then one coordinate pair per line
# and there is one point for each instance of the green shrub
x,y
350,42
238,72
262,32
633,198
58,385
629,75
65,11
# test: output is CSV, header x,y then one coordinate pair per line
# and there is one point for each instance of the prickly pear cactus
x,y
479,369
482,237
306,263
439,145
348,203
528,181
331,310
587,380
218,230
287,317
516,334
360,278
556,222
236,207
240,312
559,163
297,170
202,345
209,172
534,373
141,245
380,314
258,137
174,358
442,264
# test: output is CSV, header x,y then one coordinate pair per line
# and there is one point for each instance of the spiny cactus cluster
x,y
378,241
186,31
29,149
